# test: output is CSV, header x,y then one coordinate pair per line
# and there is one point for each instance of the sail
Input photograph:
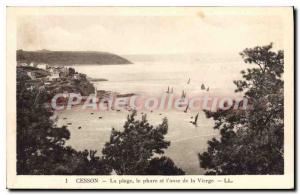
x,y
187,107
203,86
196,118
183,95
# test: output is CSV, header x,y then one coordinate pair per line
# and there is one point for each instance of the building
x,y
42,66
53,76
31,75
22,64
31,64
47,83
76,76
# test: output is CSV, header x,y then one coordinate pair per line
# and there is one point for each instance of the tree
x,y
71,71
251,140
163,166
131,151
41,146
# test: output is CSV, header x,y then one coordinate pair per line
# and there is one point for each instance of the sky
x,y
149,31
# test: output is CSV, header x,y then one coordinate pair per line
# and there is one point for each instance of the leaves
x,y
131,151
251,140
41,146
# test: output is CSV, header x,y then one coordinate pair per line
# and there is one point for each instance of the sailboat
x,y
203,86
183,94
195,122
186,109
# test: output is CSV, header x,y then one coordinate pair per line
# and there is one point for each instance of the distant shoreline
x,y
69,58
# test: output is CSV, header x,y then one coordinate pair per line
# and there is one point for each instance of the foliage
x,y
69,57
41,146
251,140
163,166
71,71
131,151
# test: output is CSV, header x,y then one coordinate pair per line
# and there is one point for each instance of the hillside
x,y
69,57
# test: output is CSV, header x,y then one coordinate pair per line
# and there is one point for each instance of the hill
x,y
69,57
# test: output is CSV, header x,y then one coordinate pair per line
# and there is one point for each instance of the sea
x,y
152,75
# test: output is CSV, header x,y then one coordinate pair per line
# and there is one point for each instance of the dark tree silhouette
x,y
163,166
71,71
251,140
131,151
41,146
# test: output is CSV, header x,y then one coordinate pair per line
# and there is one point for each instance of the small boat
x,y
118,110
100,117
168,91
207,89
69,123
187,107
183,94
171,90
195,122
189,81
92,113
64,118
79,127
203,86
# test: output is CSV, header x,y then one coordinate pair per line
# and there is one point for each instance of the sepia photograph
x,y
150,97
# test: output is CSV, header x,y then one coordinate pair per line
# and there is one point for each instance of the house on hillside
x,y
31,75
51,70
63,74
76,76
22,64
53,76
42,66
47,84
31,64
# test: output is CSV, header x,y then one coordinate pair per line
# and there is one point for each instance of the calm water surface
x,y
152,78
